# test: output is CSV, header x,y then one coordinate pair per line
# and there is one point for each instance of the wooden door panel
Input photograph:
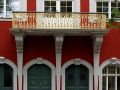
x,y
39,77
77,78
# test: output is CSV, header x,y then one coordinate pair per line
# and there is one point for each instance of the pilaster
x,y
58,45
19,47
98,39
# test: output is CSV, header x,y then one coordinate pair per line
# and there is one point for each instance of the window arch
x,y
111,77
78,62
39,61
6,77
8,67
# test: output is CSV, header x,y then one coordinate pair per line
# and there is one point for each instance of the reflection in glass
x,y
118,83
8,74
104,83
111,82
105,4
99,4
1,2
50,6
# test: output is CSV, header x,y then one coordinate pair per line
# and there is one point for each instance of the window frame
x,y
109,7
58,4
111,61
108,75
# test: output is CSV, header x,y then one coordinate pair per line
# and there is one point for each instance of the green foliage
x,y
115,17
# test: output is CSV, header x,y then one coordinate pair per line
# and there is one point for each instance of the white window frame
x,y
102,66
5,9
75,5
109,6
78,61
39,61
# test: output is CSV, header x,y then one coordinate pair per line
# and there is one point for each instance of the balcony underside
x,y
66,32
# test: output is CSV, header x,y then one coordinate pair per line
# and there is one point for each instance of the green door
x,y
77,77
6,77
39,77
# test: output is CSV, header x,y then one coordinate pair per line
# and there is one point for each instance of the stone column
x,y
19,47
58,45
98,39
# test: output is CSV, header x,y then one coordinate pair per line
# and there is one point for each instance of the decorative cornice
x,y
59,43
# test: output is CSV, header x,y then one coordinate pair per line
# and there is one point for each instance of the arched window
x,y
77,77
111,77
6,77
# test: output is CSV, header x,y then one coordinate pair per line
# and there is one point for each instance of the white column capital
x,y
98,39
19,42
58,43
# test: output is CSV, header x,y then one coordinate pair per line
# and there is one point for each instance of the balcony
x,y
53,22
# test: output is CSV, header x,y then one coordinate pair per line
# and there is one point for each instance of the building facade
x,y
58,45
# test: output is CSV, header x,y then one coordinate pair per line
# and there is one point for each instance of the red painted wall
x,y
111,45
7,42
77,47
39,46
84,5
31,5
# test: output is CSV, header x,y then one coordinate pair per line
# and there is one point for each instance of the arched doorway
x,y
6,77
76,77
39,77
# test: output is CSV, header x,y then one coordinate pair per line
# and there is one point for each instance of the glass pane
x,y
99,9
105,4
69,3
111,69
47,9
113,4
119,9
63,9
8,2
9,8
105,70
99,4
118,70
1,2
111,83
104,83
105,9
1,9
53,3
118,83
69,9
53,9
118,4
8,74
47,3
63,3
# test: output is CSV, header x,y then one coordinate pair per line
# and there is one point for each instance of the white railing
x,y
32,20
